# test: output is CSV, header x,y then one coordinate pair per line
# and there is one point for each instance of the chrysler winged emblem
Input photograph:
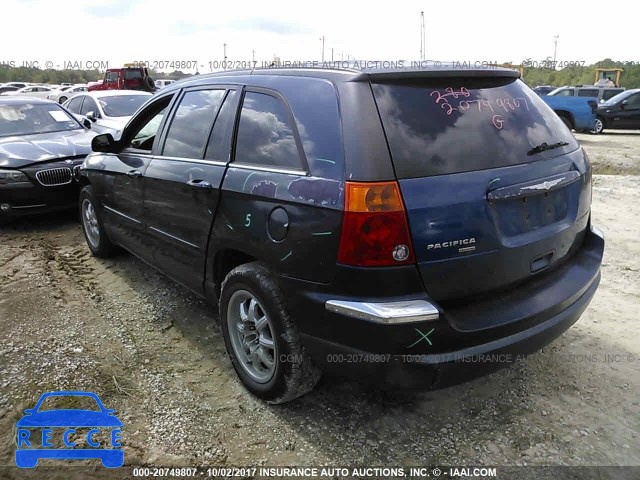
x,y
544,185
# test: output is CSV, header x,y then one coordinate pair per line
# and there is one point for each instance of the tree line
x,y
576,75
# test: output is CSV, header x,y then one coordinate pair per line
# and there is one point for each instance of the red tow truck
x,y
129,77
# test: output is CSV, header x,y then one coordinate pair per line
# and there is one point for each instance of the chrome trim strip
x,y
386,312
113,210
173,236
597,231
246,166
191,160
28,206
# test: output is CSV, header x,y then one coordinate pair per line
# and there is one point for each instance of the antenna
x,y
423,45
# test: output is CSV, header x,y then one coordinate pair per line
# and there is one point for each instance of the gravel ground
x,y
152,352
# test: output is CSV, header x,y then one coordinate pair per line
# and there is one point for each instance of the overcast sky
x,y
122,31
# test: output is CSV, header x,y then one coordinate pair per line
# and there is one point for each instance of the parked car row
x,y
332,214
62,94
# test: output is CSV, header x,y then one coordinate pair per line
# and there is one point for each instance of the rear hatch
x,y
496,188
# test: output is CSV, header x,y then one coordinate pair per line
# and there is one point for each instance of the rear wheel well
x,y
225,261
566,115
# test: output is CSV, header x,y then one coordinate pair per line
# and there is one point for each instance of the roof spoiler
x,y
445,71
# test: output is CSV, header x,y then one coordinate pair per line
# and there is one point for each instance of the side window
x,y
265,135
187,136
587,92
607,94
634,100
219,145
74,104
112,77
143,132
89,105
566,93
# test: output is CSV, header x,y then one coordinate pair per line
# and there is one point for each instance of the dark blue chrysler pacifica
x,y
413,228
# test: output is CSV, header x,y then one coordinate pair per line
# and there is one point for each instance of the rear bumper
x,y
446,351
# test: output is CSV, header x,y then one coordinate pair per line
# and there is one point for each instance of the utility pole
x,y
322,39
224,50
555,49
331,54
423,45
253,56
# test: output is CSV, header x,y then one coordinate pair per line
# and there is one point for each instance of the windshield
x,y
122,105
28,119
561,91
442,126
64,402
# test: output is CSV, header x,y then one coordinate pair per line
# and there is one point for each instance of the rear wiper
x,y
543,147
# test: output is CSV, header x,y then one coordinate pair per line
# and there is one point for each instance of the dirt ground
x,y
152,352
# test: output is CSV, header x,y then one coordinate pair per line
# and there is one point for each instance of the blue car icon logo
x,y
71,424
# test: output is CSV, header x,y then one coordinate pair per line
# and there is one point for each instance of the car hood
x,y
69,418
20,151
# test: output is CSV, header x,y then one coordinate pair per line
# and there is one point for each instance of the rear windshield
x,y
131,74
443,126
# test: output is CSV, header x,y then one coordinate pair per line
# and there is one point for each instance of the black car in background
x,y
40,146
619,112
8,89
413,228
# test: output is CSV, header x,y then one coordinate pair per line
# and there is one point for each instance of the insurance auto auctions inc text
x,y
377,472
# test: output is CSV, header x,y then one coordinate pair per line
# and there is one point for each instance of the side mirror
x,y
93,116
104,143
29,411
624,103
86,122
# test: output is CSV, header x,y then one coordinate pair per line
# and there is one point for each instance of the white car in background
x,y
107,110
38,91
15,84
63,94
163,83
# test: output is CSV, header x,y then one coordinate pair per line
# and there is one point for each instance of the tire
x,y
150,84
62,100
598,127
92,226
567,121
292,373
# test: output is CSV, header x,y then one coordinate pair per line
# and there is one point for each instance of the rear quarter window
x,y
265,134
444,126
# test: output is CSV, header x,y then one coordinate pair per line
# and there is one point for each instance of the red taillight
x,y
374,227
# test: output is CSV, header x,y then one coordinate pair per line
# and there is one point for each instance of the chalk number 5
x,y
247,221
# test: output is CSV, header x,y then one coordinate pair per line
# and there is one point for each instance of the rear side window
x,y
588,92
265,133
565,93
443,126
190,127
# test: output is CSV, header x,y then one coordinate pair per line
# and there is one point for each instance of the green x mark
x,y
423,336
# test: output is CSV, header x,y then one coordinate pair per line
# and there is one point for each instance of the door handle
x,y
199,183
134,173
